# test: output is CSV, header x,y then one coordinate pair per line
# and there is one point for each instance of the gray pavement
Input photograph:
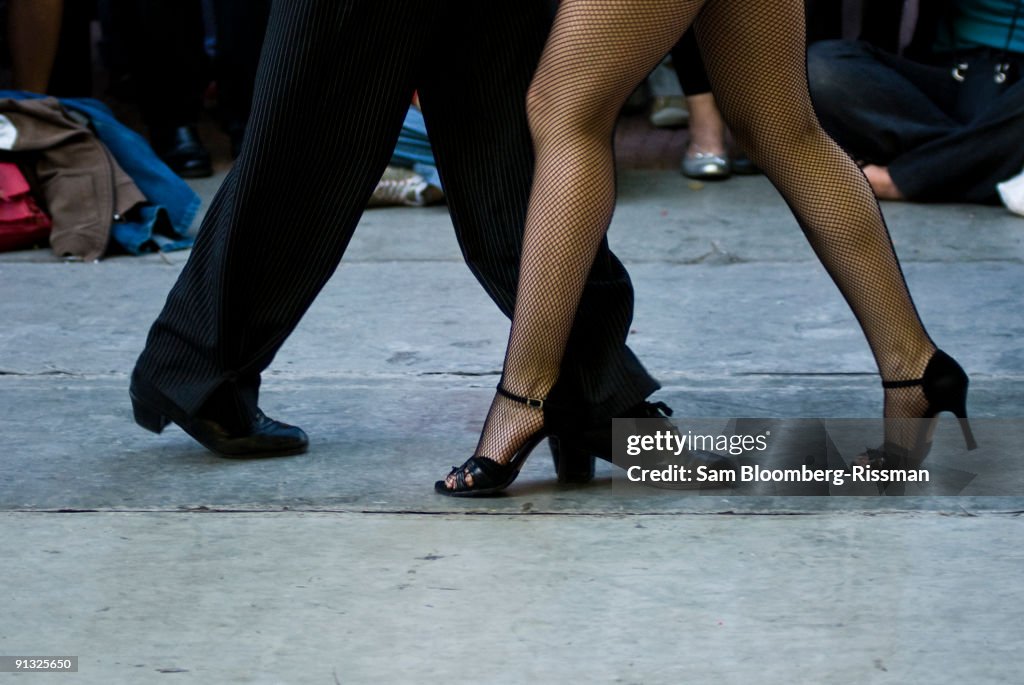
x,y
151,559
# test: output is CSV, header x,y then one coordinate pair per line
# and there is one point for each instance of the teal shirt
x,y
983,23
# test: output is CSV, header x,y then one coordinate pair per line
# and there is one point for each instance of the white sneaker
x,y
668,108
669,111
1012,193
404,187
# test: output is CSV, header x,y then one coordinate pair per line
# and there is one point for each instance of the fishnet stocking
x,y
598,51
756,60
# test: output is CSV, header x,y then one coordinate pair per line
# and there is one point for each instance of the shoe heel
x,y
965,428
147,418
573,464
959,410
945,387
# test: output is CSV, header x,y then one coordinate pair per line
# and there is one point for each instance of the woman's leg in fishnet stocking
x,y
756,59
597,53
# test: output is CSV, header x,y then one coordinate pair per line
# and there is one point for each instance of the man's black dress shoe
x,y
263,437
183,151
574,455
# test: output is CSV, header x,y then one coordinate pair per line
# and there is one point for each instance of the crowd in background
x,y
162,54
925,95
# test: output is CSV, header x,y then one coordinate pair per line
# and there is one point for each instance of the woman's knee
x,y
771,137
544,106
556,113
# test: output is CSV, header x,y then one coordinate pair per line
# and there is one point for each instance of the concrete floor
x,y
368,598
151,559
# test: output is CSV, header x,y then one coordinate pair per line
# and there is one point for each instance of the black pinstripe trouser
x,y
334,83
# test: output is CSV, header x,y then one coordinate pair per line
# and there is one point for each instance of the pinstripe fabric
x,y
335,79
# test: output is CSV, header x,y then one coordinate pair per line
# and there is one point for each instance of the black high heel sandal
x,y
944,384
489,476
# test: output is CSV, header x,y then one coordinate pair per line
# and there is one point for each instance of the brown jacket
x,y
83,187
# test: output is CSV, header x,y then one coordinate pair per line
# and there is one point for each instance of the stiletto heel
x,y
965,428
960,412
490,476
944,385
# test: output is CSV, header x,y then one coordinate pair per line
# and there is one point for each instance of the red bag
x,y
22,223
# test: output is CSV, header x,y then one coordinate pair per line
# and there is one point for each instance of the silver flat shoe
x,y
706,165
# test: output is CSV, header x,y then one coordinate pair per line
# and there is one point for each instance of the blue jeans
x,y
943,140
413,148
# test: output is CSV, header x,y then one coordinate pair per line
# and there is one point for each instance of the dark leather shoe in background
x,y
581,449
262,437
183,151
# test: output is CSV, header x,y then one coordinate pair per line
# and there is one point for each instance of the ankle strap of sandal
x,y
528,401
902,384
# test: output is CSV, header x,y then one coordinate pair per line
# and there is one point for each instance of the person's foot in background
x,y
881,182
668,104
404,187
182,150
706,156
161,44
